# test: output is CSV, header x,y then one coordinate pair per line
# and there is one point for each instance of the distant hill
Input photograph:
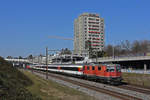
x,y
13,83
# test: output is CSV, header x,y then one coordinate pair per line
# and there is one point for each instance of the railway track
x,y
135,88
94,88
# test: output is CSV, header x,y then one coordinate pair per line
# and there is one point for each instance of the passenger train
x,y
107,73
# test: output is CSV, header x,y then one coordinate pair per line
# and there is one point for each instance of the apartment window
x,y
102,24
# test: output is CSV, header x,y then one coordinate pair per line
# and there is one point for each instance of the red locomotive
x,y
108,73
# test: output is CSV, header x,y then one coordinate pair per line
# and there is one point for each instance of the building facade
x,y
88,33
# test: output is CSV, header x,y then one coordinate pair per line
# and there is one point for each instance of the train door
x,y
85,70
93,70
98,71
88,70
103,70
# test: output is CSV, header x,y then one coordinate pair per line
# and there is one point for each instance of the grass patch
x,y
49,90
13,83
138,79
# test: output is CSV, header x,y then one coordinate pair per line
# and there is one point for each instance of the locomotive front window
x,y
110,69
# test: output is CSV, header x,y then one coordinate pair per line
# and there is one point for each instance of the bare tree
x,y
145,44
117,50
30,57
20,57
126,47
109,50
9,57
136,47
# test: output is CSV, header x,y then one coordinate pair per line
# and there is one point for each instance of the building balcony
x,y
94,29
93,32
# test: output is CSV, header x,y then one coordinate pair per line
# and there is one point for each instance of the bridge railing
x,y
135,71
17,60
121,58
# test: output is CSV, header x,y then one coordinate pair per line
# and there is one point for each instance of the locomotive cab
x,y
113,72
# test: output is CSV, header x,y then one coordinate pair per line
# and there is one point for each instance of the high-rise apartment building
x,y
88,32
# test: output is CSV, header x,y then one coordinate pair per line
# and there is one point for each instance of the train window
x,y
52,67
70,68
93,67
88,68
110,70
99,68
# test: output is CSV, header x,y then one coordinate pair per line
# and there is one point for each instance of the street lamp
x,y
46,62
113,49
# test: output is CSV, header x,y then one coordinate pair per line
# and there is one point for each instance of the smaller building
x,y
68,59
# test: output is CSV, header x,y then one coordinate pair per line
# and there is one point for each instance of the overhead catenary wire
x,y
59,37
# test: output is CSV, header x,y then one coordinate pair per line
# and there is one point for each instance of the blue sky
x,y
26,24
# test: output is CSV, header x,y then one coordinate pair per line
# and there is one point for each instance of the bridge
x,y
19,62
142,62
